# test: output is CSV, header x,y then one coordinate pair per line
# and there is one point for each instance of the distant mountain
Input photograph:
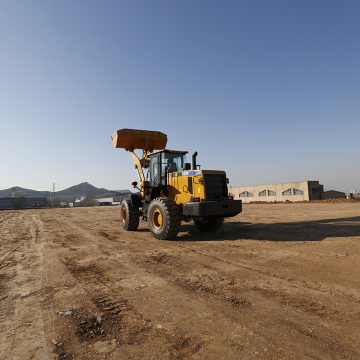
x,y
82,189
19,191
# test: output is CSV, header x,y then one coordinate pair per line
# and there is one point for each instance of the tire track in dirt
x,y
211,290
162,247
174,272
7,239
309,306
64,299
93,276
303,304
8,216
322,288
22,324
306,285
206,289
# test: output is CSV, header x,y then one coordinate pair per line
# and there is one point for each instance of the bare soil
x,y
276,282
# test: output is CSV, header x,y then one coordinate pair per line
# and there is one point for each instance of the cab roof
x,y
170,151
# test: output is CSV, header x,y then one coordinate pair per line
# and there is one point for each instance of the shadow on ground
x,y
291,231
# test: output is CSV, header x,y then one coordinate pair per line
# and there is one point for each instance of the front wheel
x,y
164,218
209,224
129,215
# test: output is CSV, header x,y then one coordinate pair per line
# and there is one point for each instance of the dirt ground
x,y
278,281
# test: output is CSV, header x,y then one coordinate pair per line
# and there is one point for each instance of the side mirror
x,y
186,166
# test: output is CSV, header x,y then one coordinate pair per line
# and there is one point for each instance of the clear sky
x,y
268,91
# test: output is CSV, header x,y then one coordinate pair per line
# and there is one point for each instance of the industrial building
x,y
114,200
9,203
292,191
333,194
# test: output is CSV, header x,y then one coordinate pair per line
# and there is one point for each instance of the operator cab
x,y
164,162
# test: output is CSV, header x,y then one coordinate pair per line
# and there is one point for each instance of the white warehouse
x,y
292,191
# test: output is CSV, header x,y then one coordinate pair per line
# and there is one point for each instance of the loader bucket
x,y
130,140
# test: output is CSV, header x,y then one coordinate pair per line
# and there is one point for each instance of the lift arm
x,y
138,166
132,139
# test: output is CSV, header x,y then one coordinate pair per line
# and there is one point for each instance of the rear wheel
x,y
164,218
129,215
209,224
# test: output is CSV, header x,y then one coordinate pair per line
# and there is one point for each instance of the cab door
x,y
155,174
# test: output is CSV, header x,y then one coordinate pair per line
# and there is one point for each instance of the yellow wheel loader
x,y
173,190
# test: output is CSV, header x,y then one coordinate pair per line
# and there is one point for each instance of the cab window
x,y
172,162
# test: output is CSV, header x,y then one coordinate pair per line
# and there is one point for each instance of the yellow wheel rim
x,y
156,219
123,213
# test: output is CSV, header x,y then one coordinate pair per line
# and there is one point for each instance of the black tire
x,y
209,224
129,215
164,218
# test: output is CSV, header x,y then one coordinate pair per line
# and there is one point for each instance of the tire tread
x,y
132,214
172,212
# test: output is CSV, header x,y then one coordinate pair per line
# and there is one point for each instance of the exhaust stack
x,y
194,160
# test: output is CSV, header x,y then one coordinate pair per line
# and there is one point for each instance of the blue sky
x,y
266,90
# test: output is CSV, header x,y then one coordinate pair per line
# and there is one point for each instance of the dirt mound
x,y
333,201
337,201
272,202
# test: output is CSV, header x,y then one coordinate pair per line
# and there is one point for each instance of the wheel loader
x,y
172,190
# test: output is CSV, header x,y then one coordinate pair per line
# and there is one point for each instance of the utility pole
x,y
54,194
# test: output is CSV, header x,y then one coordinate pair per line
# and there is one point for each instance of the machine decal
x,y
186,173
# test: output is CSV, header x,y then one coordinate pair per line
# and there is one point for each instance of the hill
x,y
82,189
19,191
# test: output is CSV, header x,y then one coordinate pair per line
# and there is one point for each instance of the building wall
x,y
113,200
332,194
6,203
116,200
293,191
